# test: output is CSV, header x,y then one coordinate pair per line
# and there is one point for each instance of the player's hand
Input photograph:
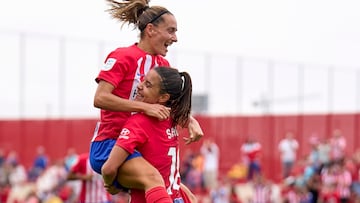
x,y
88,177
111,189
195,131
158,111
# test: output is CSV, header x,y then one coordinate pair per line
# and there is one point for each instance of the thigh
x,y
138,173
187,195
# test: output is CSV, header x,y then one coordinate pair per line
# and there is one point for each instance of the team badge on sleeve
x,y
124,134
110,62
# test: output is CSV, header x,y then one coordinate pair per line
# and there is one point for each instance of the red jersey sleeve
x,y
114,70
132,135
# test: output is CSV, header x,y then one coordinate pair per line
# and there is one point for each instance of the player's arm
x,y
105,99
76,176
110,168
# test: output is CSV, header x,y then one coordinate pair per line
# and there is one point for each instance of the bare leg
x,y
135,173
188,193
139,174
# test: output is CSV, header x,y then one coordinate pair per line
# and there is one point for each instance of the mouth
x,y
139,97
167,44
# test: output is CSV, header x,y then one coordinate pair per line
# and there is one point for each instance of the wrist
x,y
140,106
189,121
107,184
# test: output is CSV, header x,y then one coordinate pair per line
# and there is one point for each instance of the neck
x,y
143,46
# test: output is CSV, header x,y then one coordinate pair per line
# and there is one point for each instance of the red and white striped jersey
x,y
124,68
92,191
262,194
343,184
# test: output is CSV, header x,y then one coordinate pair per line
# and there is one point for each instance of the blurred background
x,y
270,57
259,68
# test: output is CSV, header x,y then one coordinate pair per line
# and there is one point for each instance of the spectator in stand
x,y
17,177
251,152
294,193
51,181
210,151
40,163
233,197
186,164
3,171
194,178
4,182
92,186
338,146
70,158
288,190
314,157
221,194
313,185
324,149
344,181
288,147
355,185
261,189
2,157
328,191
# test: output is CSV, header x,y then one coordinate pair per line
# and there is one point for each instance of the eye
x,y
171,30
148,84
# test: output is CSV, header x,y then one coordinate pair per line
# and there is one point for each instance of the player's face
x,y
164,35
149,90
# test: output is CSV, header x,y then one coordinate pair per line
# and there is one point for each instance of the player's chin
x,y
139,98
163,52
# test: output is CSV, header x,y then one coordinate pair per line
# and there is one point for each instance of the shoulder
x,y
125,52
139,116
140,119
147,123
121,52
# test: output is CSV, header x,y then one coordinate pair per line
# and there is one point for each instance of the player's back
x,y
159,147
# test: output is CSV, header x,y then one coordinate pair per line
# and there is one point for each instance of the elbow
x,y
98,101
96,104
108,170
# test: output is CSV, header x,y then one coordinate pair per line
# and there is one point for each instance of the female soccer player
x,y
123,70
156,140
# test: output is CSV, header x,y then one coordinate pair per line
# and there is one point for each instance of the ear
x,y
164,98
150,29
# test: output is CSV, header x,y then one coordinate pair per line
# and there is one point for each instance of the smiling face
x,y
149,90
160,36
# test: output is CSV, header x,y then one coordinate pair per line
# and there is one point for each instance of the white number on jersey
x,y
174,170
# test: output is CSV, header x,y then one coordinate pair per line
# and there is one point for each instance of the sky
x,y
311,31
322,32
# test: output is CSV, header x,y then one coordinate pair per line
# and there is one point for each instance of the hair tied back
x,y
142,10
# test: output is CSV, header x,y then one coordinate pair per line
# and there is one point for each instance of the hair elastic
x,y
154,19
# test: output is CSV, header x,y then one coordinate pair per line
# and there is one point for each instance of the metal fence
x,y
50,76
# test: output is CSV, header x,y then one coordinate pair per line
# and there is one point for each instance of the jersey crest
x,y
110,62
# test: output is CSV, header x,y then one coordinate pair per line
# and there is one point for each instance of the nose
x,y
140,85
174,38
